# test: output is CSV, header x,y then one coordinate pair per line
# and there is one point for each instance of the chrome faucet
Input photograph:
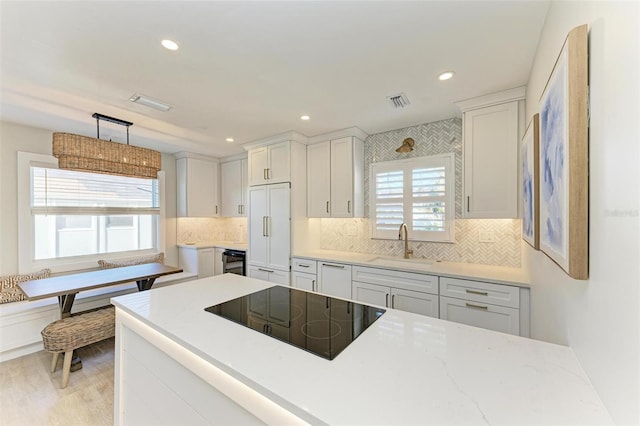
x,y
407,252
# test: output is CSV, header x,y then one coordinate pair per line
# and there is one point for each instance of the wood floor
x,y
31,395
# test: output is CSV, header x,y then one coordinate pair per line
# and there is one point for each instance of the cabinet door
x,y
206,262
231,188
258,273
278,227
218,267
303,281
491,161
415,302
258,165
197,188
279,163
244,180
258,243
334,279
279,277
371,293
497,318
342,177
318,180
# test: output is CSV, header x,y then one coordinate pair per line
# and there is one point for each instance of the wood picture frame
x,y
530,154
564,151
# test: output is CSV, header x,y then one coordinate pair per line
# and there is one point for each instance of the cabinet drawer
x,y
397,279
494,294
304,265
491,317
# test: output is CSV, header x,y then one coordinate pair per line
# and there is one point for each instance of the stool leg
x,y
66,368
54,362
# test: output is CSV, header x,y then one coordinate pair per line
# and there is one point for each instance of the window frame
x,y
407,166
26,224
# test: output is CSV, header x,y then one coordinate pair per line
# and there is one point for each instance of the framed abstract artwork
x,y
530,183
563,159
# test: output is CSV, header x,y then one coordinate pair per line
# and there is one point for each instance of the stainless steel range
x,y
320,324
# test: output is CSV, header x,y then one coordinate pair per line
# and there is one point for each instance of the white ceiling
x,y
248,70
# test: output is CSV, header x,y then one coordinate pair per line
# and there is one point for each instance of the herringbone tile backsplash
x,y
432,138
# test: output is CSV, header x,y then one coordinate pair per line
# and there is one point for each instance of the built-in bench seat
x,y
21,322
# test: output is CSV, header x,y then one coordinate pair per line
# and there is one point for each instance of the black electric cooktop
x,y
319,324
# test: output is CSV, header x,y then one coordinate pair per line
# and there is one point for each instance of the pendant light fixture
x,y
81,153
407,145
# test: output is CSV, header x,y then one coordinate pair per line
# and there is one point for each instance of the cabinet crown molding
x,y
491,99
282,137
337,134
185,154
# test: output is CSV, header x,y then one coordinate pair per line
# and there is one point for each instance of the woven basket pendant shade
x,y
81,153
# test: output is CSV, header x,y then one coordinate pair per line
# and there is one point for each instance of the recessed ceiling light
x,y
305,117
229,139
445,75
170,44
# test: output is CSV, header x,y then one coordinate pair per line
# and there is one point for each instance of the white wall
x,y
599,318
14,138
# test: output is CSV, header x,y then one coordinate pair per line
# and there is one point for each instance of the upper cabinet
x,y
197,187
233,188
270,164
491,129
335,178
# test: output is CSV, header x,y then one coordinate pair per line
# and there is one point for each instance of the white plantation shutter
x,y
419,192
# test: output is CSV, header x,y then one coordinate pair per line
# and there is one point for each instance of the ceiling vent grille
x,y
399,101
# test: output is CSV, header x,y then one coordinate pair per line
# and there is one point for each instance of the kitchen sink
x,y
400,262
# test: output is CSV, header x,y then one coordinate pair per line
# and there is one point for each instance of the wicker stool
x,y
74,332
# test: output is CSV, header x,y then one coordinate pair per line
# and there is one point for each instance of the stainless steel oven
x,y
234,261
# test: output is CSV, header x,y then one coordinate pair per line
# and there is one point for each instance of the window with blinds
x,y
418,192
79,213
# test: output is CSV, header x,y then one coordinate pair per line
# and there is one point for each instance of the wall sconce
x,y
407,145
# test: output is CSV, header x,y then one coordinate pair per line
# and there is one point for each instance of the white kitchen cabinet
x,y
491,132
218,266
303,274
270,227
334,279
198,260
487,305
271,275
233,188
335,178
197,187
269,164
405,291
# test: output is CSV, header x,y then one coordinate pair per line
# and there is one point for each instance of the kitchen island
x,y
178,364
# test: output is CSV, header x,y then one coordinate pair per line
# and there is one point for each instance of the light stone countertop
x,y
486,273
232,245
404,369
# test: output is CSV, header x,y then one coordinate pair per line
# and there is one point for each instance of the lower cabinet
x,y
303,274
405,291
492,306
271,275
334,279
218,267
199,260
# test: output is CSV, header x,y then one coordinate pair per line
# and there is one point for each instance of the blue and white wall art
x,y
530,190
554,156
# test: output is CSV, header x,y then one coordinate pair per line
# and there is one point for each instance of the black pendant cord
x,y
99,117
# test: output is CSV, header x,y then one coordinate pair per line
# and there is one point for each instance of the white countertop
x,y
488,273
404,369
232,245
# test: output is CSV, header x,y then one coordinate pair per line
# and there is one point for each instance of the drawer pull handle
x,y
333,266
471,305
265,270
313,285
393,300
386,300
480,293
302,265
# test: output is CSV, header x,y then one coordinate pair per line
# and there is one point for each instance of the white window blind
x,y
418,192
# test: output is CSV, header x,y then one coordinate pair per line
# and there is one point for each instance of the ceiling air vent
x,y
399,101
